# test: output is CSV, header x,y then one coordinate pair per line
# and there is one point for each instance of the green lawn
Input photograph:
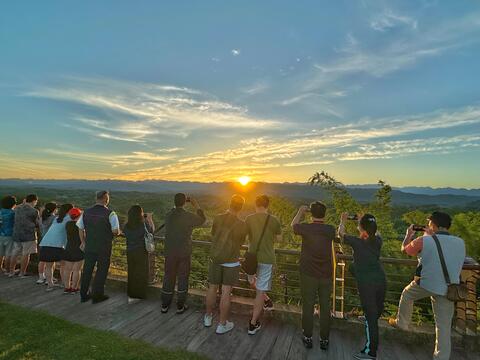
x,y
34,335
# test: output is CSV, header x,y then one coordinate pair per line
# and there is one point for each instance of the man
x,y
228,235
7,219
97,227
257,224
316,267
430,281
179,225
26,225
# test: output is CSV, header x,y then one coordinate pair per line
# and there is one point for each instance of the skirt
x,y
50,254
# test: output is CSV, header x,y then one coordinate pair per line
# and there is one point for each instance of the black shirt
x,y
136,236
179,225
366,259
316,255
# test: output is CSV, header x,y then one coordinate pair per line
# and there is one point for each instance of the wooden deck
x,y
144,321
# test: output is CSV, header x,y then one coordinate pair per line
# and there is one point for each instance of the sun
x,y
244,180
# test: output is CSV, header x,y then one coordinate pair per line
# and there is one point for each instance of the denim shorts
x,y
6,245
263,277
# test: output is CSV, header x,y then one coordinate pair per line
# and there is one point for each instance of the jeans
x,y
443,310
310,288
372,297
102,261
176,267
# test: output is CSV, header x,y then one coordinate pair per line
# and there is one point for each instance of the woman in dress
x,y
137,225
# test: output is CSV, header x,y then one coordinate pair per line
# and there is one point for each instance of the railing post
x,y
466,318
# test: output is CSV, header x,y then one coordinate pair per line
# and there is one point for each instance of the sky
x,y
215,90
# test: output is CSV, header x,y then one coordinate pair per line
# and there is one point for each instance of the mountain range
x,y
420,196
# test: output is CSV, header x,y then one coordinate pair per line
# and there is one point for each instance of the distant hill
x,y
418,196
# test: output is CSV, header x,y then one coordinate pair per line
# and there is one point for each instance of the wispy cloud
x,y
137,111
235,52
389,20
400,53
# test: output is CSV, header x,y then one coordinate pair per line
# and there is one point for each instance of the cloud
x,y
235,52
399,53
388,20
136,112
257,88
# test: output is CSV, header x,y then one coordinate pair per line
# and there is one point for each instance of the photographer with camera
x,y
440,261
179,225
315,269
370,276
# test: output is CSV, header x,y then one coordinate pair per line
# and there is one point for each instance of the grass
x,y
35,335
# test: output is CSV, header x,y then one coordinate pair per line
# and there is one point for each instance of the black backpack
x,y
223,247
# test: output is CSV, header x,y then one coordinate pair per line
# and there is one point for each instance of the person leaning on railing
x,y
370,276
315,270
430,280
179,225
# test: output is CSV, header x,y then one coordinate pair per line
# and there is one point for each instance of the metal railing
x,y
286,282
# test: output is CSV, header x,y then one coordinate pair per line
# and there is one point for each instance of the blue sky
x,y
214,90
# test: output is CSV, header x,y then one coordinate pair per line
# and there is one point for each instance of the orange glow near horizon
x,y
244,180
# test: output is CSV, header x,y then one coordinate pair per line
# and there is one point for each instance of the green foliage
x,y
467,226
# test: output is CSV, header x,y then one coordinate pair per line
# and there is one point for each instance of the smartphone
x,y
419,227
352,217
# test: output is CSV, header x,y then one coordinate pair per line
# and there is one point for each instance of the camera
x,y
188,199
419,227
352,217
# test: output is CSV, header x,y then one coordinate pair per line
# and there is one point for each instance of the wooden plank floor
x,y
144,321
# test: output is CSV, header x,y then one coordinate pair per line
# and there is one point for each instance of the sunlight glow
x,y
244,180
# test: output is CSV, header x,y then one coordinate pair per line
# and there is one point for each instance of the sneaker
x,y
99,298
23,276
67,291
364,356
222,329
50,288
323,344
11,275
41,281
164,309
268,305
133,300
74,291
182,309
307,341
253,329
207,320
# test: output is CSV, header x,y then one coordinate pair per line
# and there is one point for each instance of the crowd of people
x,y
78,242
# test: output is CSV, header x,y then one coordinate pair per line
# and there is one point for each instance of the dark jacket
x,y
179,225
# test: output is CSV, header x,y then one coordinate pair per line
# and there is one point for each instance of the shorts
x,y
222,275
263,277
24,248
73,255
50,254
6,245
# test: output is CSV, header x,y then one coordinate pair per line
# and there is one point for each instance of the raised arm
x,y
341,227
299,216
409,235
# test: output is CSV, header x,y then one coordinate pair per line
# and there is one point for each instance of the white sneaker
x,y
222,329
133,300
207,320
41,281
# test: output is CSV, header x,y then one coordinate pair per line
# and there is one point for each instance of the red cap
x,y
74,213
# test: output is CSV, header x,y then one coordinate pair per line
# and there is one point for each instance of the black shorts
x,y
73,255
50,254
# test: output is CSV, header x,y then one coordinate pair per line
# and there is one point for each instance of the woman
x,y
72,256
47,216
370,277
137,257
53,243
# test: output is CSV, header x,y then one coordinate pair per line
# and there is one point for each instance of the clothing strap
x,y
442,259
263,233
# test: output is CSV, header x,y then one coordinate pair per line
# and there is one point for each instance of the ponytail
x,y
369,224
64,209
48,210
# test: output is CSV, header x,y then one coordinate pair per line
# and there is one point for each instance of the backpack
x,y
223,247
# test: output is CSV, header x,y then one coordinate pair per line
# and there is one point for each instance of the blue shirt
x,y
56,235
7,219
